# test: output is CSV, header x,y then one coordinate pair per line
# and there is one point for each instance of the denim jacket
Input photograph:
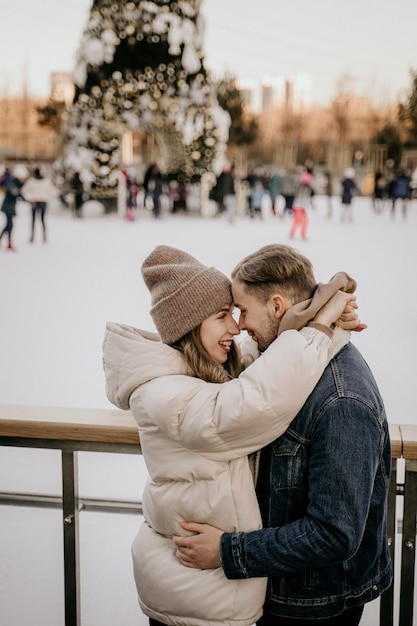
x,y
322,490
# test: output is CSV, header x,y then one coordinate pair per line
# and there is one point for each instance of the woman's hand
x,y
340,310
349,319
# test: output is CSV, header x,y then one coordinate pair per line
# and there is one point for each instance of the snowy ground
x,y
56,299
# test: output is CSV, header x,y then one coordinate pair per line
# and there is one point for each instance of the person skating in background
x,y
300,214
226,189
328,190
5,177
130,189
306,184
349,188
379,194
12,194
38,190
77,189
178,196
288,189
400,191
153,184
274,185
256,198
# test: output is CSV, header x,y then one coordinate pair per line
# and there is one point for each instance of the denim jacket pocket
x,y
288,459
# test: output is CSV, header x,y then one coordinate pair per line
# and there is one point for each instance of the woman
x,y
11,196
38,190
199,418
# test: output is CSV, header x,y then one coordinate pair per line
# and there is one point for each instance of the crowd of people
x,y
151,193
33,186
392,191
261,192
289,192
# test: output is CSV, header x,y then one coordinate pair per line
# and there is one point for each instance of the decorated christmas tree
x,y
140,67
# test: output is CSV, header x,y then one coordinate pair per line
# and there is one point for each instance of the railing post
x,y
70,510
386,615
409,544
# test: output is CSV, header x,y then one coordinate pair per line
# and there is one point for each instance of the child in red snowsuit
x,y
299,221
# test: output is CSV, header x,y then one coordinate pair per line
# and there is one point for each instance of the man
x,y
77,189
401,190
322,486
227,192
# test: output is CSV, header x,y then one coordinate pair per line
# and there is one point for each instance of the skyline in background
x,y
372,43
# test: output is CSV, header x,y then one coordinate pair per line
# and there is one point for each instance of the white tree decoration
x,y
140,65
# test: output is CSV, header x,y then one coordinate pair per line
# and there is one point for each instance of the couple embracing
x,y
268,459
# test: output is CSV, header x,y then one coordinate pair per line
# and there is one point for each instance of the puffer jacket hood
x,y
127,369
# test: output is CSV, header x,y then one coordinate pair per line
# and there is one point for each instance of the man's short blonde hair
x,y
276,268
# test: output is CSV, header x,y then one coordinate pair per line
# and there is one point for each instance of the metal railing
x,y
78,430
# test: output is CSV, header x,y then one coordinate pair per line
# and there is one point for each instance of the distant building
x,y
273,92
21,137
293,92
302,91
248,92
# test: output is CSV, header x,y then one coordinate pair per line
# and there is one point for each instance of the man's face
x,y
257,319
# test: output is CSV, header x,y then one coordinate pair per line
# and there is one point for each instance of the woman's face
x,y
217,332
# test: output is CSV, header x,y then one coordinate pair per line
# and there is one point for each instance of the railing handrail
x,y
68,424
119,427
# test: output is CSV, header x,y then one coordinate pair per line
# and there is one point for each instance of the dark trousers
x,y
8,228
154,622
38,208
78,203
289,203
351,617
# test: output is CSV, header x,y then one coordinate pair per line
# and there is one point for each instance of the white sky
x,y
374,42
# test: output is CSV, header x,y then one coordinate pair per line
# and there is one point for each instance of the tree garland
x,y
139,66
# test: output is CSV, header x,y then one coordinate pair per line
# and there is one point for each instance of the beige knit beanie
x,y
184,291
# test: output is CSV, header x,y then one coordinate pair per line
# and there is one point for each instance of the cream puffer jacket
x,y
39,190
196,438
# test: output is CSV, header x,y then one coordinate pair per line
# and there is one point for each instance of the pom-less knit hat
x,y
184,291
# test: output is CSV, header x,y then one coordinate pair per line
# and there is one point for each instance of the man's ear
x,y
279,305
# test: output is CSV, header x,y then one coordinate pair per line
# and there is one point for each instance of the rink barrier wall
x,y
73,430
